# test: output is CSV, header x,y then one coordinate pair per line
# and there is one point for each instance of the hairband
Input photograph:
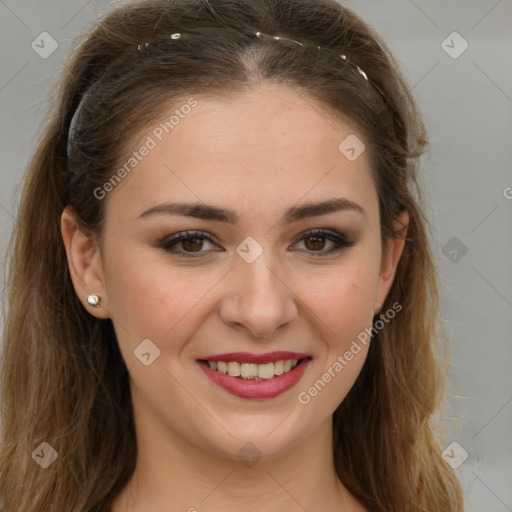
x,y
344,57
177,35
279,38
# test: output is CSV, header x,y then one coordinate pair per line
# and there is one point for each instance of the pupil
x,y
195,239
318,245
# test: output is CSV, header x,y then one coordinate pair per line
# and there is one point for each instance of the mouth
x,y
253,371
255,380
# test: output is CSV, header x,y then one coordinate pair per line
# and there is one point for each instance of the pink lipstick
x,y
279,371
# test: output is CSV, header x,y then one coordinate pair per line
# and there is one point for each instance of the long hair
x,y
63,380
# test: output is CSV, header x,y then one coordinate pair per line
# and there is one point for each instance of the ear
x,y
391,254
84,261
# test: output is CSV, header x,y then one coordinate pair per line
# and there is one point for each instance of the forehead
x,y
266,144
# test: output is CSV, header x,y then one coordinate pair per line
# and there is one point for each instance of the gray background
x,y
467,106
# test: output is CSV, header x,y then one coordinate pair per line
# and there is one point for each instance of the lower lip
x,y
256,389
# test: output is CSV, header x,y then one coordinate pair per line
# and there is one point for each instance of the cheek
x,y
341,303
152,299
342,314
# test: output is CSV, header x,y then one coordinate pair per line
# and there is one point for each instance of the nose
x,y
258,297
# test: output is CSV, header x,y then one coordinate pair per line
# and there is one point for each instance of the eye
x,y
318,238
189,240
193,241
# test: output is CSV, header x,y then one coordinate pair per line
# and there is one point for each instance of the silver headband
x,y
279,38
177,35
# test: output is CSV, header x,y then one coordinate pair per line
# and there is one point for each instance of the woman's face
x,y
265,283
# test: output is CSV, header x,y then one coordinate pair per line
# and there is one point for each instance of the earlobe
x,y
390,258
84,262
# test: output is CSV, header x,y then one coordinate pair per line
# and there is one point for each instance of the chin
x,y
254,438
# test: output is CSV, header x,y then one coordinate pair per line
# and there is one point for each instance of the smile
x,y
252,371
255,380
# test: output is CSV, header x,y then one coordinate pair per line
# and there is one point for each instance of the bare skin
x,y
258,154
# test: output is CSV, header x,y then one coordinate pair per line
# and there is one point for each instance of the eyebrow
x,y
292,214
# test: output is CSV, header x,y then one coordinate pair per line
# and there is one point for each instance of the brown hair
x,y
63,379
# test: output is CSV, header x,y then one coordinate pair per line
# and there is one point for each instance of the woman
x,y
222,294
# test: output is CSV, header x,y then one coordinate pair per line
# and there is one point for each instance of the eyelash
x,y
342,243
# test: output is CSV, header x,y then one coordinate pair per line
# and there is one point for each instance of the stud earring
x,y
94,301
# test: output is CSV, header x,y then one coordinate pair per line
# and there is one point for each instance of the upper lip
x,y
248,357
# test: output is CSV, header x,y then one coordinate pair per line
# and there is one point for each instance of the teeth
x,y
248,370
279,367
252,371
234,369
265,371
